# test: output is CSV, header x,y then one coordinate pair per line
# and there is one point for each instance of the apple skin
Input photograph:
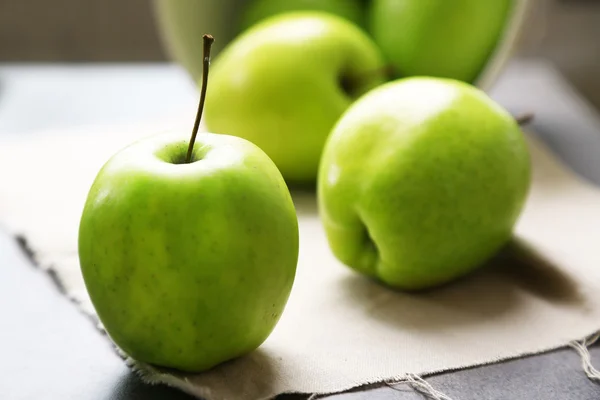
x,y
278,85
189,265
257,10
439,38
422,181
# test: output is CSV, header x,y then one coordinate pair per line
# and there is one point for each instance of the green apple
x,y
283,84
422,180
189,261
440,38
257,10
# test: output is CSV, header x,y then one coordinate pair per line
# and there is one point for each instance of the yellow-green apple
x,y
189,251
440,38
421,181
257,10
283,84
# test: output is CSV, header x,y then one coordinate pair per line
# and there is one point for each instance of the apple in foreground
x,y
284,83
440,38
189,252
422,180
257,10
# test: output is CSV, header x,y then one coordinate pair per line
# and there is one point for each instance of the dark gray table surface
x,y
48,350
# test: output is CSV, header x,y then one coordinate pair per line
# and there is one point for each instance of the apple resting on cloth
x,y
189,261
441,38
257,10
422,181
285,82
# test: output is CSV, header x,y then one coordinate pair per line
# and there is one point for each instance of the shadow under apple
x,y
229,378
499,287
131,387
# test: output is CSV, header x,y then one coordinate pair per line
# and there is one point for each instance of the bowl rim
x,y
507,46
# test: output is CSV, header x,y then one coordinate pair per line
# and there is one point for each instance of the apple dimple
x,y
370,257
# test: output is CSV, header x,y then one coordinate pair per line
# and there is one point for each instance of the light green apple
x,y
189,264
257,10
440,38
283,84
422,180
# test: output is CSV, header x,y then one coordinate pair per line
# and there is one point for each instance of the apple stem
x,y
208,41
524,119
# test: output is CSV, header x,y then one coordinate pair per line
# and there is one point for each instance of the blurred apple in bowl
x,y
181,24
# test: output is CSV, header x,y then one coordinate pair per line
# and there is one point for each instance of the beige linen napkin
x,y
341,330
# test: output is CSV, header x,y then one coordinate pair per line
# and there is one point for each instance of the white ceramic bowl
x,y
181,24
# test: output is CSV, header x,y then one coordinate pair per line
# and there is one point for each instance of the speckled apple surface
x,y
189,264
421,181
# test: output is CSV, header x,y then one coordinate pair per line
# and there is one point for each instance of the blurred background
x,y
565,32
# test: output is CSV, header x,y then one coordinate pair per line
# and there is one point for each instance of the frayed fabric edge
x,y
413,381
154,376
582,348
420,386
